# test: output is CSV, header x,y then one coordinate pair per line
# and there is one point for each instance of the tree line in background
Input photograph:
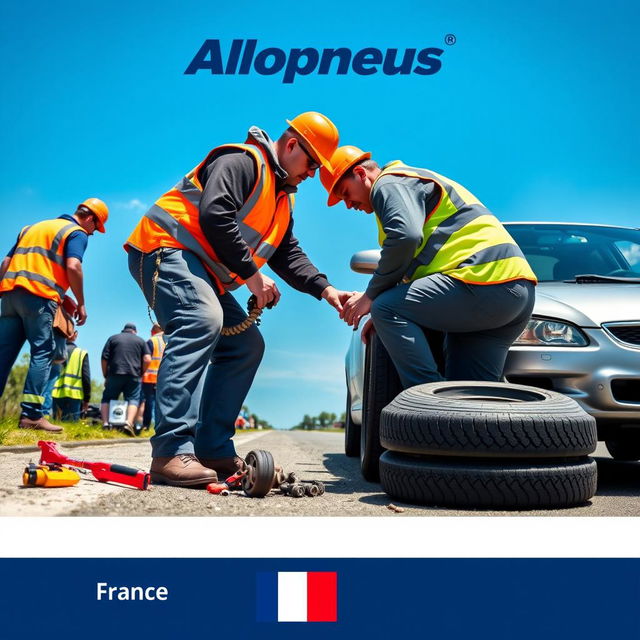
x,y
10,402
323,420
257,421
12,396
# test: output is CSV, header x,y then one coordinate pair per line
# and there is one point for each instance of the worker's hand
x,y
358,305
367,331
80,314
335,297
85,406
264,289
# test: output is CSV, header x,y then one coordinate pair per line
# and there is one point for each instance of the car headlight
x,y
551,333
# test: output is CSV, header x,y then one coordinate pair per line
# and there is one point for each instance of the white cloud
x,y
133,205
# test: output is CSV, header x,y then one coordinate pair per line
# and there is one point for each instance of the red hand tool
x,y
102,471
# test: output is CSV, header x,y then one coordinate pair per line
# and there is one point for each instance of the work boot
x,y
183,470
40,424
224,467
128,429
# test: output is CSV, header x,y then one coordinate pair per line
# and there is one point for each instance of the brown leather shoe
x,y
183,470
224,467
41,424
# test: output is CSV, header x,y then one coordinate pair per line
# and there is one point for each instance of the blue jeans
x,y
68,409
47,405
480,323
203,377
25,316
148,395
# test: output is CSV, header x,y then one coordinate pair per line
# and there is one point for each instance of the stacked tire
x,y
487,445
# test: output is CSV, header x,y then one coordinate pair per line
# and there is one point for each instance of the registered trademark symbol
x,y
450,39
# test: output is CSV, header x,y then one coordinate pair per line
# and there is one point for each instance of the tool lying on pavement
x,y
260,475
256,478
102,471
49,475
300,489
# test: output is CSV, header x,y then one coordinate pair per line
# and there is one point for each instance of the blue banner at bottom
x,y
372,598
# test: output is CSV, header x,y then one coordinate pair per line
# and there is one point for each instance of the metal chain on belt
x,y
154,282
252,318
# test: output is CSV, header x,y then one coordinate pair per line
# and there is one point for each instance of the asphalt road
x,y
312,455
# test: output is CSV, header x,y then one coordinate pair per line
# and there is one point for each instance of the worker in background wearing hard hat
x,y
446,264
34,276
208,235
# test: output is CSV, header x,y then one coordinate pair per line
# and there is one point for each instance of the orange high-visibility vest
x,y
151,374
38,263
173,221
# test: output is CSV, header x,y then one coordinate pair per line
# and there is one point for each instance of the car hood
x,y
588,305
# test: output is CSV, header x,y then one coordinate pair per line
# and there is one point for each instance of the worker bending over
x,y
208,235
446,264
45,261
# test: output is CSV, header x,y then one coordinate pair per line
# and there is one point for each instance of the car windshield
x,y
558,252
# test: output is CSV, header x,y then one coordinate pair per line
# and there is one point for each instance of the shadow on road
x,y
617,478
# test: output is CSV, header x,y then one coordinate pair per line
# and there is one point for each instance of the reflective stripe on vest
x,y
38,263
69,383
151,374
173,221
460,237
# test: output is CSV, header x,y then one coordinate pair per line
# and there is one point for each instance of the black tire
x,y
487,419
447,482
351,432
624,447
381,385
259,481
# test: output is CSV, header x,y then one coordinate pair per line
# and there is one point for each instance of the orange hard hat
x,y
341,161
99,209
318,132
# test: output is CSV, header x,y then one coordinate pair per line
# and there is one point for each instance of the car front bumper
x,y
603,377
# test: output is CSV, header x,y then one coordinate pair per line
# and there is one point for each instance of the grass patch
x,y
10,435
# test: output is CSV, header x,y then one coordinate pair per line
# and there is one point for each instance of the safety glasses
x,y
311,161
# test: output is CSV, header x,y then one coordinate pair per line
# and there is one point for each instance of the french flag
x,y
297,596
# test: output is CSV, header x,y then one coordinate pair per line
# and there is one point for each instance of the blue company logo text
x,y
244,57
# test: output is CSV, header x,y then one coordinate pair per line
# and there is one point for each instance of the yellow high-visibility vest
x,y
69,383
460,237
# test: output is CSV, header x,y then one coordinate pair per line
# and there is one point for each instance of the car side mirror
x,y
365,261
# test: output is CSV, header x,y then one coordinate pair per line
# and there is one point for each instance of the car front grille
x,y
627,333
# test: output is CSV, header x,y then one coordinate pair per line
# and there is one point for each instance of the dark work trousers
x,y
480,323
203,377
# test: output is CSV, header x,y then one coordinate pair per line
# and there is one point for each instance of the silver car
x,y
583,339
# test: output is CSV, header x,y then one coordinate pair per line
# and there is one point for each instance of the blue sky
x,y
534,110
